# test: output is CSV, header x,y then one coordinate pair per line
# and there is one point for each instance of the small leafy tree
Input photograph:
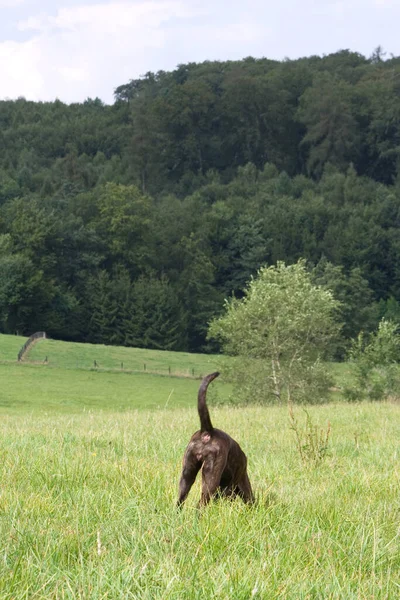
x,y
279,332
374,361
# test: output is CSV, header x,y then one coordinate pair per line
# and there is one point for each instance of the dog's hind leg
x,y
189,473
245,491
213,467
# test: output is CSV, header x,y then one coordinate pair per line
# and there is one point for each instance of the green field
x,y
68,382
90,463
83,356
10,345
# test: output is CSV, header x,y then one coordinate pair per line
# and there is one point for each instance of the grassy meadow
x,y
90,462
84,356
37,388
10,345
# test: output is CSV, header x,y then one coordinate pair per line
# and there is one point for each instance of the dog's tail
x,y
205,421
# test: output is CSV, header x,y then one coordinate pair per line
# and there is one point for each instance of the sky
x,y
78,49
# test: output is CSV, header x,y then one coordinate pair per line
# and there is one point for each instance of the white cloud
x,y
10,3
108,18
239,32
18,68
86,50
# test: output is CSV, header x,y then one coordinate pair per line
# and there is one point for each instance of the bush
x,y
279,331
375,367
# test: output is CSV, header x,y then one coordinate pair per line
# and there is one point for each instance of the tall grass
x,y
89,480
87,508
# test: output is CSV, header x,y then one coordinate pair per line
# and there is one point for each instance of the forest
x,y
131,223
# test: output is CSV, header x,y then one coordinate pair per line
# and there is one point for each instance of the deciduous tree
x,y
279,332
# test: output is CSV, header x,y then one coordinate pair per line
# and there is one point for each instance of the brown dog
x,y
223,462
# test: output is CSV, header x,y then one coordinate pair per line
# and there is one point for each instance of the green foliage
x,y
197,177
123,222
157,317
19,284
103,310
9,188
356,309
279,331
375,363
332,129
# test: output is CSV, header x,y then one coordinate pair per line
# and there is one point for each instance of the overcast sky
x,y
74,49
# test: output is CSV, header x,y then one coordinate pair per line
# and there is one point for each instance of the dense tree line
x,y
130,223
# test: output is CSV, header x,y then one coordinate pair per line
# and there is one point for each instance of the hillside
x,y
130,224
69,382
10,345
69,355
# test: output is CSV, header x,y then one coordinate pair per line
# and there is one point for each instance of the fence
x,y
177,372
31,340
